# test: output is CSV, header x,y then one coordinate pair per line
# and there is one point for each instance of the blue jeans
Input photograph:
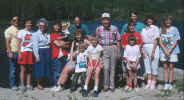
x,y
13,70
57,65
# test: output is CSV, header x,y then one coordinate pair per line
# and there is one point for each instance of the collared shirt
x,y
149,34
169,38
72,29
11,32
138,27
106,36
40,40
124,38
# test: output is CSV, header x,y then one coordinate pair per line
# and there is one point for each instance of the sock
x,y
166,83
96,88
85,87
135,85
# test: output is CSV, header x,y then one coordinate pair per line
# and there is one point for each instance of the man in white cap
x,y
109,37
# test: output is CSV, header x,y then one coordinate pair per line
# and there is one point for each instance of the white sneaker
x,y
58,89
29,87
147,86
129,89
53,88
14,88
166,87
170,87
126,88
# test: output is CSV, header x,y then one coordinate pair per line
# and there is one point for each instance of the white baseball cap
x,y
105,15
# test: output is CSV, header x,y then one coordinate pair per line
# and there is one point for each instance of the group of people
x,y
72,49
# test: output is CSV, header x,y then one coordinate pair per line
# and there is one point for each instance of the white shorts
x,y
172,58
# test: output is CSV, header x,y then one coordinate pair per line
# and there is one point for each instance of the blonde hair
x,y
82,45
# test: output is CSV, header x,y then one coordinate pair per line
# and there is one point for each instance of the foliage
x,y
89,9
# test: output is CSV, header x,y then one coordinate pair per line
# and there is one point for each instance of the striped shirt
x,y
107,36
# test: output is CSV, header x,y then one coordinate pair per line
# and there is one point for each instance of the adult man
x,y
12,51
109,38
133,18
78,26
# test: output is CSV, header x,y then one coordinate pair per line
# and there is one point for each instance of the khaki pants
x,y
109,58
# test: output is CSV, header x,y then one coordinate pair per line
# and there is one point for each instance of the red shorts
x,y
94,62
27,58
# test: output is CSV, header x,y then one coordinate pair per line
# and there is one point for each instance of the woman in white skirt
x,y
150,35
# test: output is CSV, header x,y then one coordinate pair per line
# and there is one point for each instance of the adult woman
x,y
70,66
150,35
130,31
169,49
41,49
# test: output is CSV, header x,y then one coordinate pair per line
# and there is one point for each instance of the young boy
x,y
25,54
94,65
132,56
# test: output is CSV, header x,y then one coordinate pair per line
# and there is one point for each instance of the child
x,y
25,54
169,50
132,56
80,67
94,65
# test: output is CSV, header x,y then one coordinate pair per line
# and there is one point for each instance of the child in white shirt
x,y
80,66
94,65
132,56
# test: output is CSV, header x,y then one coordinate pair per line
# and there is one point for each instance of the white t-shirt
x,y
94,51
149,34
26,43
81,60
132,52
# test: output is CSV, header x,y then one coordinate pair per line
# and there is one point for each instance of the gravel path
x,y
118,94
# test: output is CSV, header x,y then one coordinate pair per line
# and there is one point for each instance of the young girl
x,y
25,54
169,49
80,67
94,65
132,56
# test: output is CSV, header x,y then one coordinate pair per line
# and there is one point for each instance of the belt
x,y
110,44
44,47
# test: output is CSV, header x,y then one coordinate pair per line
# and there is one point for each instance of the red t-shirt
x,y
55,49
124,38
